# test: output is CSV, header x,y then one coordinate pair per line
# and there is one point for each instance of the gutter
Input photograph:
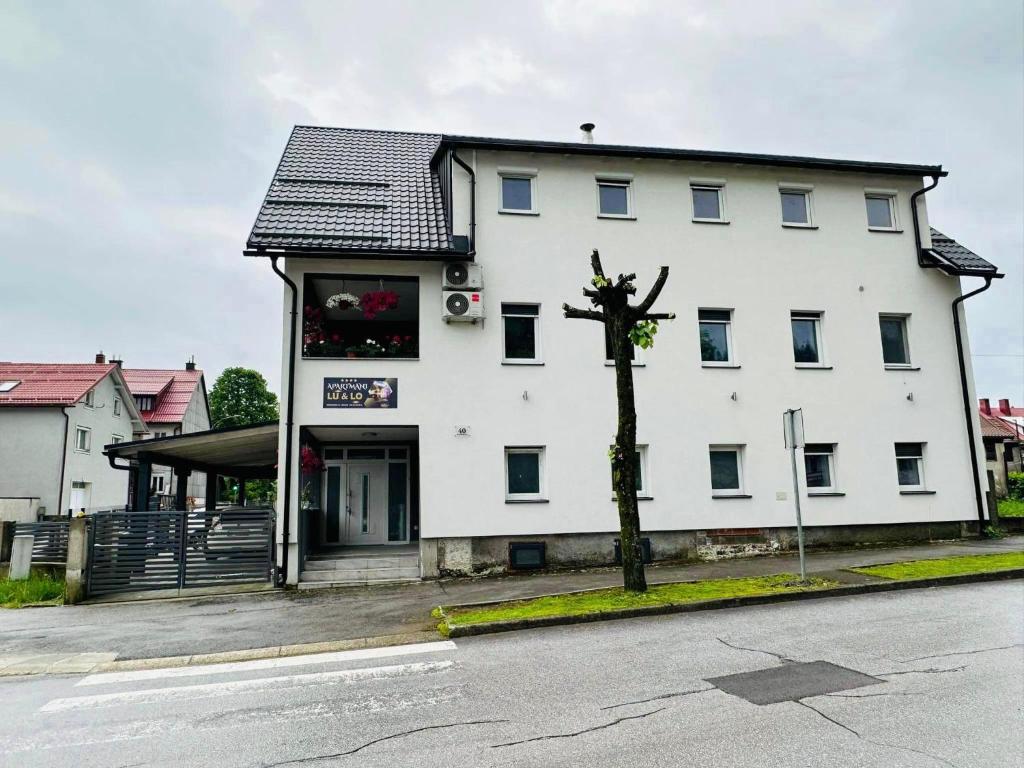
x,y
472,202
917,223
63,462
289,413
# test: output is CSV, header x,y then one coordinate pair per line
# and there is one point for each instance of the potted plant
x,y
368,348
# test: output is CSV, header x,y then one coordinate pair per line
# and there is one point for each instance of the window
x,y
157,486
115,439
159,434
910,466
990,450
895,350
144,402
807,338
524,474
117,406
726,470
83,439
796,206
819,464
708,202
881,209
615,198
7,386
715,336
640,466
90,398
609,356
517,194
360,316
520,332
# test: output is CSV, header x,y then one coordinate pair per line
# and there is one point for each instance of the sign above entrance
x,y
360,393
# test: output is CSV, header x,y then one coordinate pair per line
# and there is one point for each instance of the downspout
x,y
63,462
289,412
968,410
472,202
917,224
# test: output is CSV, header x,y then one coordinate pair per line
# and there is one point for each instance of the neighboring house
x,y
172,402
55,419
1003,432
796,282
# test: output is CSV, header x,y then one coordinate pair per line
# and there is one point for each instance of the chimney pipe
x,y
101,359
191,364
1004,406
588,133
117,361
986,406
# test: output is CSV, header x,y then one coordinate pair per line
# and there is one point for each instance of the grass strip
x,y
1011,508
38,588
615,599
947,566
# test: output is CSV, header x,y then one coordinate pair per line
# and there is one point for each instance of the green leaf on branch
x,y
642,334
600,282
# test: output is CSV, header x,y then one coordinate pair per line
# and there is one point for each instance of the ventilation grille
x,y
457,303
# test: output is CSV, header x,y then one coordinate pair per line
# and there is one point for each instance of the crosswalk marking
x,y
234,687
360,654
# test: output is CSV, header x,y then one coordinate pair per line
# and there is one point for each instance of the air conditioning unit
x,y
463,306
462,276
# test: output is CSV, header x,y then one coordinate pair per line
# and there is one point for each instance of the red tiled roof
x,y
50,383
995,427
173,391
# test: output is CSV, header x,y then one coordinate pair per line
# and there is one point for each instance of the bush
x,y
1015,486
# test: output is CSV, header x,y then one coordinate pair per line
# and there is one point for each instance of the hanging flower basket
x,y
310,461
375,302
342,301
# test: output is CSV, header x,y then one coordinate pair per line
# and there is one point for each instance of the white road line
x,y
201,670
234,687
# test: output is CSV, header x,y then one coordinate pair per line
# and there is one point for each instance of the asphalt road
x,y
921,678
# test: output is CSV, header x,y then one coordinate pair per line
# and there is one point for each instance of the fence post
x,y
6,540
21,557
77,562
182,549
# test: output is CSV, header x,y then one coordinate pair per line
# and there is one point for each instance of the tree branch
x,y
652,296
624,279
595,264
659,316
582,314
590,294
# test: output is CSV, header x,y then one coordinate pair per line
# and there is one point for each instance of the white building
x,y
797,283
55,419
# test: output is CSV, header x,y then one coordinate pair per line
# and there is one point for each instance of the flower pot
x,y
351,355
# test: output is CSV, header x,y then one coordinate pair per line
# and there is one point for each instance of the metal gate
x,y
50,540
133,551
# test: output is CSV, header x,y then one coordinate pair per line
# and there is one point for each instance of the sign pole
x,y
791,439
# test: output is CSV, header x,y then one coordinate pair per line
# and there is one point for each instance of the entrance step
x,y
361,574
303,584
362,563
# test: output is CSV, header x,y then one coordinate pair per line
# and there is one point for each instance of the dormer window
x,y
90,398
144,402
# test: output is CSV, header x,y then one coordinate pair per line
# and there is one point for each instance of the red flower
x,y
335,338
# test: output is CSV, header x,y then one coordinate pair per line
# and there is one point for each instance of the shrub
x,y
1015,486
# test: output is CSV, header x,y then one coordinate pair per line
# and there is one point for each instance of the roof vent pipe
x,y
191,364
117,361
588,133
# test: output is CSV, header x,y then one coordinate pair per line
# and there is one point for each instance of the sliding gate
x,y
133,551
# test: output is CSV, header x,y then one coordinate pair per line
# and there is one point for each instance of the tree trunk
x,y
623,458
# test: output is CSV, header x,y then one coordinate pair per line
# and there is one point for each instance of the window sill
x,y
513,212
917,493
355,359
526,501
812,367
731,496
710,221
638,498
611,364
794,225
825,493
895,367
522,362
81,450
615,216
718,365
888,230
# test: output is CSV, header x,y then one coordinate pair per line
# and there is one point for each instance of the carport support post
x,y
181,489
241,491
212,483
78,560
144,478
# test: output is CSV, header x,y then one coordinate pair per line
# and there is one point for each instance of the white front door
x,y
79,496
366,519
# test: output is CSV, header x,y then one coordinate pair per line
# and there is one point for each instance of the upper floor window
x,y
144,402
708,202
115,439
83,439
360,316
807,346
895,349
90,398
615,197
517,191
715,336
796,205
520,329
117,406
881,210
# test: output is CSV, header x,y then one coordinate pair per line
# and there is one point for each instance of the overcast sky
x,y
137,139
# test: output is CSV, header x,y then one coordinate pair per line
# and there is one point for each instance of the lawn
x,y
1011,508
948,566
604,600
38,588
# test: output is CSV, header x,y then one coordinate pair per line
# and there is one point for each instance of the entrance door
x,y
366,521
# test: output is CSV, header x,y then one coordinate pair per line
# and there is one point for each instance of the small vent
x,y
456,275
457,303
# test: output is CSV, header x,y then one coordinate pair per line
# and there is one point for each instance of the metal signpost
x,y
793,427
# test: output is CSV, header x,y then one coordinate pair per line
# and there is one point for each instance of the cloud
x,y
490,67
341,102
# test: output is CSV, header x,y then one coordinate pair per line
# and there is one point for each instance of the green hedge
x,y
1015,486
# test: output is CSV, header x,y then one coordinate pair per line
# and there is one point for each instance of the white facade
x,y
752,265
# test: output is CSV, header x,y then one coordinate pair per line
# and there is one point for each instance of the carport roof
x,y
248,452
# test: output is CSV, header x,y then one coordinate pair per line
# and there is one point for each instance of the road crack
x,y
601,727
962,653
659,698
929,671
399,735
779,656
869,695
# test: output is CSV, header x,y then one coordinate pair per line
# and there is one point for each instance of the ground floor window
x,y
910,466
524,473
726,470
819,465
640,466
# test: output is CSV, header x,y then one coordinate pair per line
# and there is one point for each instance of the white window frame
x,y
716,185
728,492
807,190
117,406
638,355
530,174
905,319
921,485
644,491
538,355
115,439
831,454
819,334
731,361
153,484
87,431
539,451
893,198
157,435
616,180
90,398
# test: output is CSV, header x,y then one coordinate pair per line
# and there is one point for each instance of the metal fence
x,y
50,542
134,551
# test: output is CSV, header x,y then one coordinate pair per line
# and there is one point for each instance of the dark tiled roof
x,y
946,249
345,189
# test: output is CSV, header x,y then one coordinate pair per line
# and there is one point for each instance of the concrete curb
x,y
469,630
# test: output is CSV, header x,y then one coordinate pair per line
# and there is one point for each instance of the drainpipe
x,y
289,412
968,410
472,202
917,224
63,463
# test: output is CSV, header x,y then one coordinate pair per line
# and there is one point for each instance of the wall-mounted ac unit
x,y
463,306
462,276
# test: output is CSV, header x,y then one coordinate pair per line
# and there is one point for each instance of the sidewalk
x,y
191,626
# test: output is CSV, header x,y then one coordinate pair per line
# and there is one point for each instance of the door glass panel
x,y
364,513
365,453
332,511
398,503
398,453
